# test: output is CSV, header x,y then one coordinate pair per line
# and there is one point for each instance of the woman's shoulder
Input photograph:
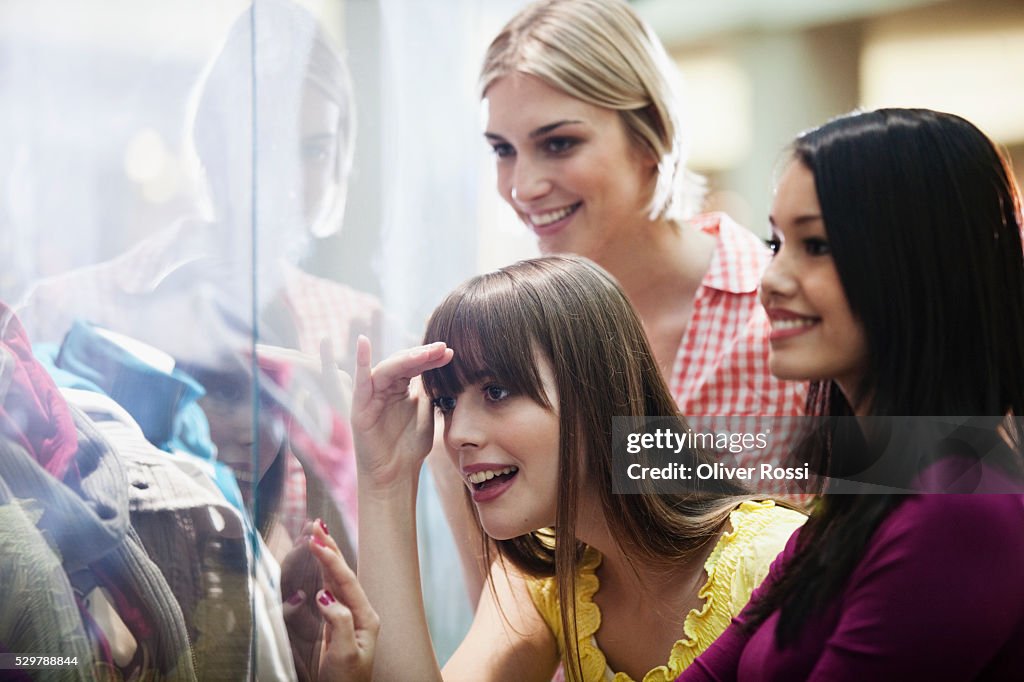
x,y
762,527
544,594
980,520
759,532
739,256
952,562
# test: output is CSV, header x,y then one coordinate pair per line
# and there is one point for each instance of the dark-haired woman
x,y
897,289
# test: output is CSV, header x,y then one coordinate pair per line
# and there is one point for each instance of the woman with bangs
x,y
529,366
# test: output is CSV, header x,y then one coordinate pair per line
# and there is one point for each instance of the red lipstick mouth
x,y
488,481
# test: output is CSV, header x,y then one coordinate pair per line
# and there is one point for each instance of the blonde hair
x,y
601,52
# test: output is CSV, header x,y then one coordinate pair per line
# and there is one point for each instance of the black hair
x,y
923,221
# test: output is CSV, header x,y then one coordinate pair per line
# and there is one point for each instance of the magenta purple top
x,y
938,595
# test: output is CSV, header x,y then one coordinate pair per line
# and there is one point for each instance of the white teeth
x,y
488,474
793,323
542,219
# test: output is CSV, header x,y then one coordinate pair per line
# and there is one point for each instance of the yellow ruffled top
x,y
736,565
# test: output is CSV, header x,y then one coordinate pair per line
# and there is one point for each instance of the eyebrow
x,y
799,220
538,132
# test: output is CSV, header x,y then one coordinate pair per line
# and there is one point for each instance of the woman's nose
x,y
463,428
529,182
778,281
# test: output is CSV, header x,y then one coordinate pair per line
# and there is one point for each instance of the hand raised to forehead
x,y
392,421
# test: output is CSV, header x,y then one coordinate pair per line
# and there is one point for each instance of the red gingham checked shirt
x,y
721,368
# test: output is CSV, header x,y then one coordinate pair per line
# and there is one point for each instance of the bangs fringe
x,y
493,323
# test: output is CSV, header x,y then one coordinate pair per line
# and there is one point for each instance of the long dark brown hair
x,y
573,314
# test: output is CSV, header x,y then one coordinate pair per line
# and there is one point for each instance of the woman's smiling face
x,y
814,334
506,447
567,167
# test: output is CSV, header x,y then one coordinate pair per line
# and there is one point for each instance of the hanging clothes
x,y
225,580
85,522
46,620
32,413
162,402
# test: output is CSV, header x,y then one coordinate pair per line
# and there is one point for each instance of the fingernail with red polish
x,y
326,598
296,598
323,526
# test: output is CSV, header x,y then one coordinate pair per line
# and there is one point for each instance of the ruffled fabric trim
x,y
588,617
545,596
703,626
731,578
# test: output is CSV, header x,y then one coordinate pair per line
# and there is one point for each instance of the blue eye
x,y
494,393
445,404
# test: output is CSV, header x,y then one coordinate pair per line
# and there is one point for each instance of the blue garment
x,y
164,404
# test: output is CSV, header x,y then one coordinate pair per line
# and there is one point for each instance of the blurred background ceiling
x,y
756,73
679,21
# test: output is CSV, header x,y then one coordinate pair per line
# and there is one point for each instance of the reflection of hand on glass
x,y
318,385
300,580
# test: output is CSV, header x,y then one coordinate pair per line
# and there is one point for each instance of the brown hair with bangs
x,y
576,316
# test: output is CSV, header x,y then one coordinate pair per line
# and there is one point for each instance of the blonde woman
x,y
589,147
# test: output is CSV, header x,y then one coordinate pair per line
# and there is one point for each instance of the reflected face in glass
x,y
229,409
567,167
814,335
320,156
506,447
